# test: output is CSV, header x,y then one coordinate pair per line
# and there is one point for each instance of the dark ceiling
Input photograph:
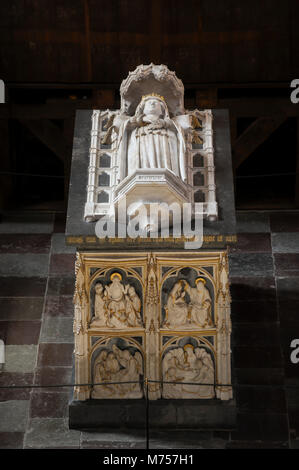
x,y
204,41
57,56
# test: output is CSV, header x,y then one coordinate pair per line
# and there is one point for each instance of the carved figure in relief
x,y
102,373
118,366
130,372
116,306
116,302
180,313
133,307
188,367
201,302
172,371
206,374
176,307
150,139
100,305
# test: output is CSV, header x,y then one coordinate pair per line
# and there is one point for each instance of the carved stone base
x,y
160,316
155,185
163,414
157,316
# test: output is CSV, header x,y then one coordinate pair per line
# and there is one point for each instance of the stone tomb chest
x,y
151,313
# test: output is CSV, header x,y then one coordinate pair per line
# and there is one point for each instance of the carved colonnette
x,y
161,316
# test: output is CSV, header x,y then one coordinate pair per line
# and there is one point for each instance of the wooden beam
x,y
253,107
253,137
103,99
62,109
48,133
206,98
233,129
155,31
87,41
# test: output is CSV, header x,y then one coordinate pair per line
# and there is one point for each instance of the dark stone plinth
x,y
213,415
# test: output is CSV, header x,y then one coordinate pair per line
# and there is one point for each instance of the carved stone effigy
x,y
161,316
152,146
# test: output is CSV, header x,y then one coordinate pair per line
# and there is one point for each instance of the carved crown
x,y
153,95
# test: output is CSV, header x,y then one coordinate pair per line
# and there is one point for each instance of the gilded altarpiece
x,y
161,318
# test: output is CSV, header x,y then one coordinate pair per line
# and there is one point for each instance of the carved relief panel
x,y
164,317
116,360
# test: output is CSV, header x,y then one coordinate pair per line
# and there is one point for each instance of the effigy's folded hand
x,y
133,121
158,124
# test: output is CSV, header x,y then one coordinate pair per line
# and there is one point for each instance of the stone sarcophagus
x,y
162,316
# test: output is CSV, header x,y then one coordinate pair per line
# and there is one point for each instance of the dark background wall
x,y
207,41
57,56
